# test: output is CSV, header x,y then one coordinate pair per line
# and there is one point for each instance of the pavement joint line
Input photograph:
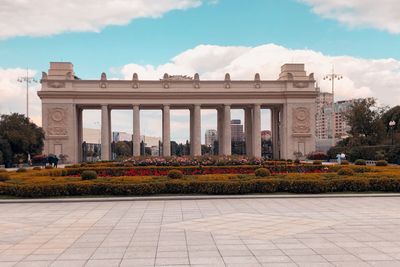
x,y
193,197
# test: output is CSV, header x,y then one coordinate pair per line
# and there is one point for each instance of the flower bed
x,y
190,161
270,185
238,179
191,170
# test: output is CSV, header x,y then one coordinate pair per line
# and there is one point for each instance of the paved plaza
x,y
214,232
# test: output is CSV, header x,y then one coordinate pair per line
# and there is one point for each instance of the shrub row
x,y
266,185
190,170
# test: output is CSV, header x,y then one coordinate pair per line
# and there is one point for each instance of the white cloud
x,y
47,17
362,77
13,94
382,15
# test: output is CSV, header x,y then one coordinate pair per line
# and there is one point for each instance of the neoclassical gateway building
x,y
291,99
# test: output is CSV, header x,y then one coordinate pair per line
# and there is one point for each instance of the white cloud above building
x,y
383,15
48,17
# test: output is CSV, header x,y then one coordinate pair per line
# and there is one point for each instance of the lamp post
x,y
27,80
392,124
332,77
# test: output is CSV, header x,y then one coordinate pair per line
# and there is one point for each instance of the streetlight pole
x,y
332,77
392,124
27,80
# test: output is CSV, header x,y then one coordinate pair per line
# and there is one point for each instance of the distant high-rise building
x,y
211,136
324,116
237,130
121,136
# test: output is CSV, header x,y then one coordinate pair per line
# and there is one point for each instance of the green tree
x,y
123,149
6,152
364,118
22,135
392,114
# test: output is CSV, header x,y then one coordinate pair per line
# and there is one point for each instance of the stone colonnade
x,y
252,129
291,99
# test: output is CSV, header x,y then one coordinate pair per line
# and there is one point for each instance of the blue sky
x,y
319,32
228,23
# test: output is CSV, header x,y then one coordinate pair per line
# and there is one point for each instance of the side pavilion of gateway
x,y
291,100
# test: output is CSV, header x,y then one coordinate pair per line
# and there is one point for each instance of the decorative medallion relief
x,y
56,84
301,120
300,84
57,122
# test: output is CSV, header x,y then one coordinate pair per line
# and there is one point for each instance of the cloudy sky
x,y
361,38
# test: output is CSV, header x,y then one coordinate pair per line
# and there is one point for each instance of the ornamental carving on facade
x,y
300,84
257,81
57,122
135,81
56,84
301,120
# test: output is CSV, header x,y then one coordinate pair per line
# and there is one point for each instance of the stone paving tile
x,y
218,232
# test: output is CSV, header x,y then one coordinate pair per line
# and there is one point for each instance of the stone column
x,y
227,135
105,133
275,132
136,131
195,120
248,127
80,133
166,131
283,136
220,129
256,132
191,126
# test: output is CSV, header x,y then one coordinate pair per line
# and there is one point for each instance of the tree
x,y
364,118
123,149
392,114
6,152
22,135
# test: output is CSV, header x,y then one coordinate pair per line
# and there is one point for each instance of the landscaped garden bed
x,y
127,179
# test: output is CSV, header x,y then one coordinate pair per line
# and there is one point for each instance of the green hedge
x,y
189,170
267,185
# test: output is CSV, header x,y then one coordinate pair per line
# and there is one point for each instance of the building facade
x,y
237,133
291,99
323,125
210,137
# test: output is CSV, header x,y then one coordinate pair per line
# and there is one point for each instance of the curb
x,y
193,197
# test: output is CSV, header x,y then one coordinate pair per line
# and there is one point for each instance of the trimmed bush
x,y
37,168
4,176
381,163
345,171
360,162
344,162
175,174
48,167
88,175
262,172
317,156
361,169
317,162
22,170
